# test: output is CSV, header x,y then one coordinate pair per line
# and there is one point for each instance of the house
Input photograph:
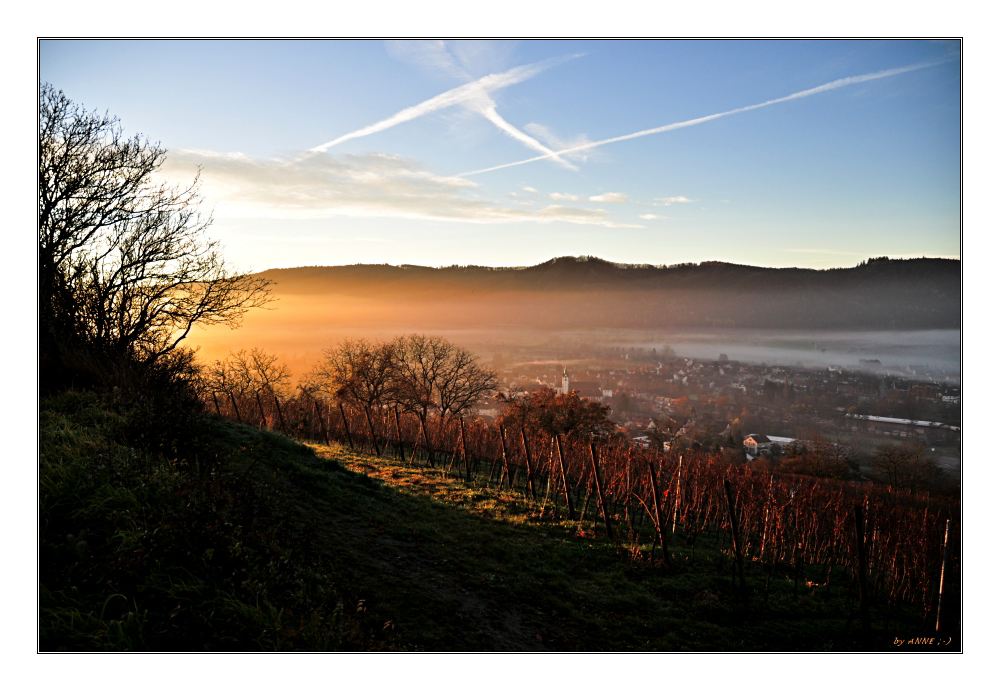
x,y
757,445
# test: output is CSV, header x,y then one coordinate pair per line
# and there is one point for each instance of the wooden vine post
x,y
465,450
371,428
260,407
659,514
322,425
527,461
944,563
677,495
565,479
600,489
737,538
427,443
347,428
399,435
859,523
281,418
506,465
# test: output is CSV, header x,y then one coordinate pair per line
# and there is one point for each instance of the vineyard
x,y
894,548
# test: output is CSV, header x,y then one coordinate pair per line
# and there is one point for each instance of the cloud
x,y
473,95
559,196
574,146
667,201
463,59
828,86
369,185
649,217
612,197
562,211
529,189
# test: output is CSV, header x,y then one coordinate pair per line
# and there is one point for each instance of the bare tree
x,y
244,373
433,374
419,359
124,264
357,370
462,383
907,466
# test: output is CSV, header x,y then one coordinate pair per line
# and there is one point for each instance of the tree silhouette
x,y
125,269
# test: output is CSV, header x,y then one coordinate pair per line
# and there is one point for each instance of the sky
x,y
508,153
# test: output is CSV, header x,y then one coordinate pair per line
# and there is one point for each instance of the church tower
x,y
565,386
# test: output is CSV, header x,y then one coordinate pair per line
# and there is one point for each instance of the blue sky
x,y
860,168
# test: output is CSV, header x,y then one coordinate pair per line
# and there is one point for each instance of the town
x,y
748,410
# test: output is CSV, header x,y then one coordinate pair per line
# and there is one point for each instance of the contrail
x,y
462,94
836,84
490,113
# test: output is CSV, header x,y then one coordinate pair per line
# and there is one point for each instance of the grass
x,y
447,565
266,544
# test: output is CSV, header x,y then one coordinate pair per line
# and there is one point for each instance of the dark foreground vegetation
x,y
175,543
219,536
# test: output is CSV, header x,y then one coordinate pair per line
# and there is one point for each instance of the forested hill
x,y
591,292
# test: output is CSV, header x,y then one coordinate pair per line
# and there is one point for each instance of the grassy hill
x,y
247,540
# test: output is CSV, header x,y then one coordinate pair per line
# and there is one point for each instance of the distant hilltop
x,y
573,292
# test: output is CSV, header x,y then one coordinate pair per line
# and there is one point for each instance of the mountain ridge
x,y
588,291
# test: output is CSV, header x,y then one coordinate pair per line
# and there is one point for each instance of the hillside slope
x,y
278,546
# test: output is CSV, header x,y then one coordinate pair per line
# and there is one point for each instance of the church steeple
x,y
565,383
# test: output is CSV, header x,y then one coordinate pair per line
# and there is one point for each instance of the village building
x,y
937,432
756,445
586,389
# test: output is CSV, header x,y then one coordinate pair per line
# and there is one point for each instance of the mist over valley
x,y
901,313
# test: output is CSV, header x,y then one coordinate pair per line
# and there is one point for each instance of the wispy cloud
x,y
828,86
473,96
549,137
559,196
612,197
649,217
667,201
362,186
563,212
